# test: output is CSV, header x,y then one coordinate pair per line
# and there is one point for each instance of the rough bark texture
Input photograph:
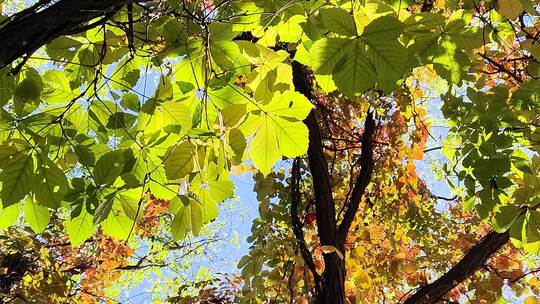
x,y
362,180
332,288
474,259
333,277
31,28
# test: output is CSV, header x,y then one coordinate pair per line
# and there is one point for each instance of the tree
x,y
331,104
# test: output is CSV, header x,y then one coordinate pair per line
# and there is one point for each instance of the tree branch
x,y
31,28
324,208
363,179
467,266
297,225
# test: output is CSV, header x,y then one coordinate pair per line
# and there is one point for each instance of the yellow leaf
x,y
531,300
362,279
350,288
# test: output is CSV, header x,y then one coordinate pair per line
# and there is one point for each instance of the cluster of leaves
x,y
46,267
85,137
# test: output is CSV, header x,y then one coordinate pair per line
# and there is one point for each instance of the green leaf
x,y
326,83
104,208
131,101
126,74
29,89
289,104
208,205
131,202
290,29
8,215
233,114
227,96
51,184
386,54
189,215
450,62
423,31
175,113
277,129
505,218
178,160
219,184
181,223
355,74
523,166
37,216
63,48
338,21
517,230
7,87
264,147
56,88
375,58
197,216
259,55
293,137
79,228
118,224
85,155
532,227
17,180
326,53
237,142
9,153
226,53
511,9
108,167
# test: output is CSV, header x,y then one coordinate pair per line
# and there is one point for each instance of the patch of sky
x,y
216,250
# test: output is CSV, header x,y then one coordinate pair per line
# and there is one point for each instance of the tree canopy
x,y
393,144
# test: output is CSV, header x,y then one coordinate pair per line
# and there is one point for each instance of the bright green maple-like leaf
x,y
338,21
56,88
278,129
109,167
357,64
532,227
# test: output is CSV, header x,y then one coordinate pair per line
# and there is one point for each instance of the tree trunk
x,y
333,280
332,289
33,27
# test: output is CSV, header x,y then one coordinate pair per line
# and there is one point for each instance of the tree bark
x,y
332,289
467,266
333,277
32,28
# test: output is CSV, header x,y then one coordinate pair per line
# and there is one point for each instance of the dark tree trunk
x,y
332,288
333,280
32,28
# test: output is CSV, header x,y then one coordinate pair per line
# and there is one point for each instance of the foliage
x,y
96,155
